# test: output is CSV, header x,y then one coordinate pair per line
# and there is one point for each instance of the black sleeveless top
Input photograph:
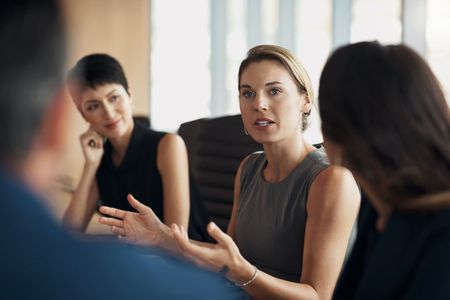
x,y
137,174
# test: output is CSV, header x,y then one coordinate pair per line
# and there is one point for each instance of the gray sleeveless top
x,y
271,219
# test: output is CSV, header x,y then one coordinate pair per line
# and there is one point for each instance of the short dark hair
x,y
97,69
385,108
32,57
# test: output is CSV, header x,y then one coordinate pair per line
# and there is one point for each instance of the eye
x,y
275,91
92,107
247,94
114,98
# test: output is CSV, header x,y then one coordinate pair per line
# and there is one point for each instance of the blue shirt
x,y
39,260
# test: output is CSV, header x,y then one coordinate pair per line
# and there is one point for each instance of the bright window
x,y
437,41
376,20
313,45
182,68
180,52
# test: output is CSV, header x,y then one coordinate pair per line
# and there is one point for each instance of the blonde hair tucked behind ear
x,y
289,62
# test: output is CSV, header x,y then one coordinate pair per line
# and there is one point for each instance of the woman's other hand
x,y
223,256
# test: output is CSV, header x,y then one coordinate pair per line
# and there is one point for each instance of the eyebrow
x,y
95,100
114,90
273,83
267,84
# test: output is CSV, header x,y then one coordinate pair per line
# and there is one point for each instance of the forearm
x,y
177,212
80,209
268,287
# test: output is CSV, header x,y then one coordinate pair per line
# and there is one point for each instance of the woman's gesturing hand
x,y
223,256
142,227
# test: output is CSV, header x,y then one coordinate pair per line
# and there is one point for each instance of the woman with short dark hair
x,y
123,156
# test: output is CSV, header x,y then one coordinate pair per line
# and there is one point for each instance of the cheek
x,y
245,120
290,115
90,117
127,107
244,109
128,111
242,105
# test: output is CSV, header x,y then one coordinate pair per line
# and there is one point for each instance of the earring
x,y
304,119
245,129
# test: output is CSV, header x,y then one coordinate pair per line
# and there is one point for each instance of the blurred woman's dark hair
x,y
97,69
385,109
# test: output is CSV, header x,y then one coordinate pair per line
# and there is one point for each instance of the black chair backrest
x,y
216,146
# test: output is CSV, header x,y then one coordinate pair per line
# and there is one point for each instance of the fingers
x,y
186,245
118,230
220,236
110,221
141,208
126,239
185,234
116,225
91,139
182,242
201,254
180,237
177,232
113,212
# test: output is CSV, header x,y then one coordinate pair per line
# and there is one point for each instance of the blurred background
x,y
182,56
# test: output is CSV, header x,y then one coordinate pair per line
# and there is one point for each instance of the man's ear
x,y
44,159
55,122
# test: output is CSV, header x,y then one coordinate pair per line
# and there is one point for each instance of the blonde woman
x,y
293,213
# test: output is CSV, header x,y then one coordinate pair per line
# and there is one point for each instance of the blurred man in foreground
x,y
38,259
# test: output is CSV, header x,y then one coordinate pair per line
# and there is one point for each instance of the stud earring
x,y
245,129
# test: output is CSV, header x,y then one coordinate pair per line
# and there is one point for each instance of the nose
x,y
108,111
261,103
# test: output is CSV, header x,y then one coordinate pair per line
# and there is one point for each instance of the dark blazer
x,y
409,260
39,260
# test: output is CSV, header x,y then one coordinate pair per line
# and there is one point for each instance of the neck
x,y
120,145
283,158
383,210
383,217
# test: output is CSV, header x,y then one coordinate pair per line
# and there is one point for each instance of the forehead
x,y
265,71
100,91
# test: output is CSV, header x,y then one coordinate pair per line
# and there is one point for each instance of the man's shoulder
x,y
151,274
40,260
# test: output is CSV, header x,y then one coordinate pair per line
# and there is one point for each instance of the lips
x,y
113,124
264,122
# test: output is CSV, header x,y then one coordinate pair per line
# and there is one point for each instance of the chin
x,y
263,140
115,134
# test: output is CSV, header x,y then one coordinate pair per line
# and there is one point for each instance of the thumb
x,y
220,236
141,208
